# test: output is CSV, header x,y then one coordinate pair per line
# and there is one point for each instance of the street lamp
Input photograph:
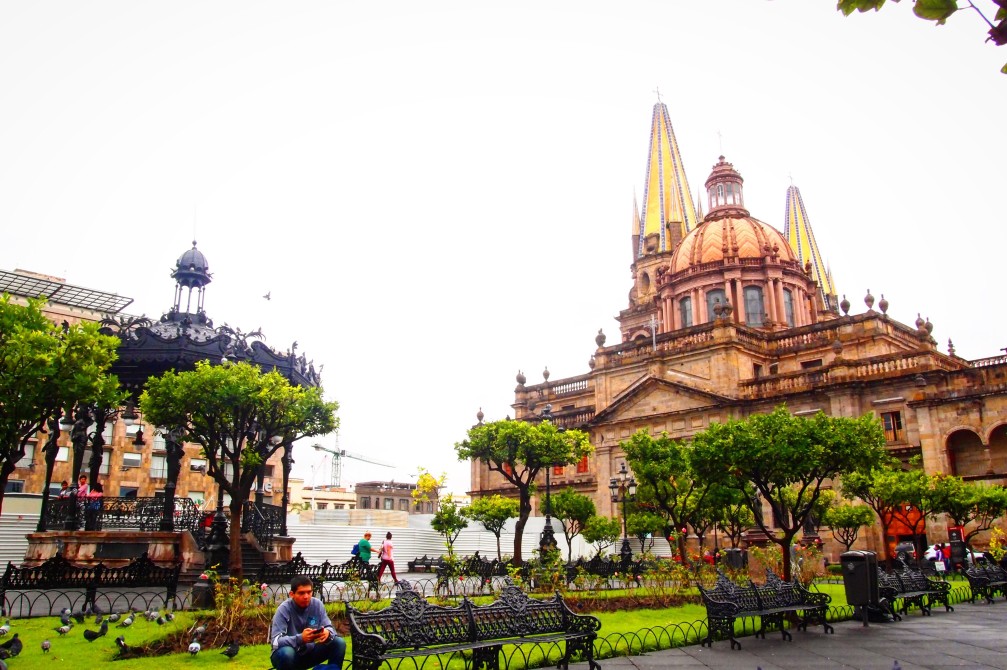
x,y
547,541
623,489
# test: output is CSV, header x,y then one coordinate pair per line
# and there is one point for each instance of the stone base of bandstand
x,y
115,548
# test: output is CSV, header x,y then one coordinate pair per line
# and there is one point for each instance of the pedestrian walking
x,y
385,556
364,548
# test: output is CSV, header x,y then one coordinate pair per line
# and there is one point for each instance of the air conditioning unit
x,y
267,486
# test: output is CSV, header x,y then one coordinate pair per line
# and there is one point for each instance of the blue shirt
x,y
290,621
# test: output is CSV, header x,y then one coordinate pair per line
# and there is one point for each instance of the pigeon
x,y
65,610
64,618
3,666
121,643
14,646
113,617
170,616
151,615
4,654
194,647
160,620
92,635
63,630
46,644
232,649
268,296
79,617
98,619
4,629
127,622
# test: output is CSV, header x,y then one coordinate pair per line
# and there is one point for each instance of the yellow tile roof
x,y
798,232
667,200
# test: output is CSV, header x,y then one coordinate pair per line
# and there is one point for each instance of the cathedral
x,y
729,316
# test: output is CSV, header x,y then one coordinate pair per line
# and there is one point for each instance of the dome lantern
x,y
724,191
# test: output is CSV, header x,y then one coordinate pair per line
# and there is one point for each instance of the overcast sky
x,y
439,194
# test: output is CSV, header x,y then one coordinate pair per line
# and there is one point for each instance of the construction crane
x,y
338,455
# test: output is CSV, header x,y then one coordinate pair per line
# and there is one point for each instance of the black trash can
x,y
860,579
734,559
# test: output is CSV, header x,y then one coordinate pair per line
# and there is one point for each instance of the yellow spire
x,y
636,225
668,210
699,206
798,232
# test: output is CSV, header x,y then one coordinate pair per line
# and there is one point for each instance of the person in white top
x,y
385,556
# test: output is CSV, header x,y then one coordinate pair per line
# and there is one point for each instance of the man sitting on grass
x,y
301,633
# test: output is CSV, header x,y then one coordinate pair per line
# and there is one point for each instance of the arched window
x,y
712,298
754,307
788,306
685,310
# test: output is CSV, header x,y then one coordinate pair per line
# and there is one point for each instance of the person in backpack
x,y
385,557
364,548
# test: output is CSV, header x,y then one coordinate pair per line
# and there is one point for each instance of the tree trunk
x,y
234,560
499,553
680,541
785,544
524,511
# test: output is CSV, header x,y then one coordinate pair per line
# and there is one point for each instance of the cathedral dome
x,y
731,238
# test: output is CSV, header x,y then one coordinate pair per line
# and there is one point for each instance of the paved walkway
x,y
973,636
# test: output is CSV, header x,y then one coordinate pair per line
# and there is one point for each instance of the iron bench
x,y
986,580
915,588
413,627
352,570
726,602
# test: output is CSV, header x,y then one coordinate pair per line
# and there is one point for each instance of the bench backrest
x,y
411,622
514,614
778,593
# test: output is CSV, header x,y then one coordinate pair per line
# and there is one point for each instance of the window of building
x,y
228,470
106,433
158,466
14,486
756,370
130,460
816,363
127,491
685,311
197,497
754,307
404,505
508,469
558,470
788,307
389,503
106,461
159,493
158,443
365,502
322,505
63,455
197,464
712,298
430,508
54,488
268,470
892,422
582,465
29,456
774,368
226,497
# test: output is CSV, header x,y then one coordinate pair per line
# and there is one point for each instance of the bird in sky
x,y
194,647
46,645
92,635
232,649
268,295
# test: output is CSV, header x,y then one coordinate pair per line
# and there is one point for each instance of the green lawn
x,y
639,629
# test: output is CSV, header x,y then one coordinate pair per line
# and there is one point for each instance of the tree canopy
x,y
493,512
602,532
43,370
572,510
518,451
972,505
846,520
786,460
240,416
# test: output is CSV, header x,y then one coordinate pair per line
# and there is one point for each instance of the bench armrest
x,y
718,608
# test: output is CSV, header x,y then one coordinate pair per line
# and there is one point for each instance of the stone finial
x,y
869,300
845,306
480,415
521,379
591,363
837,347
919,321
728,309
883,305
718,309
929,327
600,338
545,373
951,347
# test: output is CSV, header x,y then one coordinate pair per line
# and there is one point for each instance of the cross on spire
x,y
657,91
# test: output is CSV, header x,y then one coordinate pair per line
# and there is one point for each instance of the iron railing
x,y
263,521
123,513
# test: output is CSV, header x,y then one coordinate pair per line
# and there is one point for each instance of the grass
x,y
74,651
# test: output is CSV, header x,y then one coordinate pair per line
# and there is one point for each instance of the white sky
x,y
438,194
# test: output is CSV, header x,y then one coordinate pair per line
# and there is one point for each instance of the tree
x,y
449,521
572,510
969,502
665,476
914,490
602,532
736,517
776,452
645,525
518,451
493,512
940,11
846,520
874,486
44,369
241,416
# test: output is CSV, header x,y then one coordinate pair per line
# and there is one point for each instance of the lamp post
x,y
547,541
287,461
623,490
173,447
50,450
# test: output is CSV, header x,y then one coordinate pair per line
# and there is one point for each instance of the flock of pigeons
x,y
13,647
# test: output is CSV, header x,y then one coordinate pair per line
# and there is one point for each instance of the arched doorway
x,y
966,454
998,449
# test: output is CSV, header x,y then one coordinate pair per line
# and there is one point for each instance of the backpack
x,y
355,551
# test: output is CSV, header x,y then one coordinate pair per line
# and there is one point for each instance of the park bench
x,y
915,588
986,580
607,568
411,627
424,564
57,573
726,602
352,570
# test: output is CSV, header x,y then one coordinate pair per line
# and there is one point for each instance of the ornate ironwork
x,y
916,588
986,580
263,521
353,570
144,514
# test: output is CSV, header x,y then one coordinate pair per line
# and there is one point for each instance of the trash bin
x,y
733,558
860,579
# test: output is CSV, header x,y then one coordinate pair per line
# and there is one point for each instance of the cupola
x,y
723,188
